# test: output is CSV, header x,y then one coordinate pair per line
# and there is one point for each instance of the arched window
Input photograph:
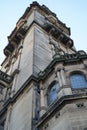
x,y
78,81
53,92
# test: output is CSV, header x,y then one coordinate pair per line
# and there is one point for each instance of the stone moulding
x,y
19,31
5,78
16,39
58,104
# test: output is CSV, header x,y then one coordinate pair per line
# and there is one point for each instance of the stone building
x,y
43,79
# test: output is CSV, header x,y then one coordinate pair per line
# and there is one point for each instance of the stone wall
x,y
70,117
19,115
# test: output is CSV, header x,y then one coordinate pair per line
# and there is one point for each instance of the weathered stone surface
x,y
21,114
70,118
42,50
26,60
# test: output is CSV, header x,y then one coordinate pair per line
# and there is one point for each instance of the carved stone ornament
x,y
57,49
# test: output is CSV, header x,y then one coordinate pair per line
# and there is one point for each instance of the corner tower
x,y
43,79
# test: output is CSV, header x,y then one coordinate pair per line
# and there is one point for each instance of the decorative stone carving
x,y
57,49
8,49
5,79
21,23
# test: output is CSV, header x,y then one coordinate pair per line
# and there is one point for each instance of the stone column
x,y
63,77
64,87
60,92
59,77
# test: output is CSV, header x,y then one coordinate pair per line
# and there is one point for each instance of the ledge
x,y
19,32
16,38
58,104
70,58
58,34
44,9
5,79
8,49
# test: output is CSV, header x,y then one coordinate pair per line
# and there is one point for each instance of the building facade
x,y
43,79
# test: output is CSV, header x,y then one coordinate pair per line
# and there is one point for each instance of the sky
x,y
71,12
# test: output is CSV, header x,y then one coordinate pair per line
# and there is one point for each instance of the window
x,y
53,92
1,89
78,81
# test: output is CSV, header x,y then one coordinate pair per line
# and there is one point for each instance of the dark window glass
x,y
78,81
53,92
1,89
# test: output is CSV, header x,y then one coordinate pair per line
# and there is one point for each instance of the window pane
x,y
78,81
53,93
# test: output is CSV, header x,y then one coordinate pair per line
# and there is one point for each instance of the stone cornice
x,y
19,34
23,19
19,31
5,79
58,34
44,9
16,38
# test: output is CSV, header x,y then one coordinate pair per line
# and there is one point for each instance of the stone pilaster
x,y
64,87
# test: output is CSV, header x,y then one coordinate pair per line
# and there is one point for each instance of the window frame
x,y
78,73
52,84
